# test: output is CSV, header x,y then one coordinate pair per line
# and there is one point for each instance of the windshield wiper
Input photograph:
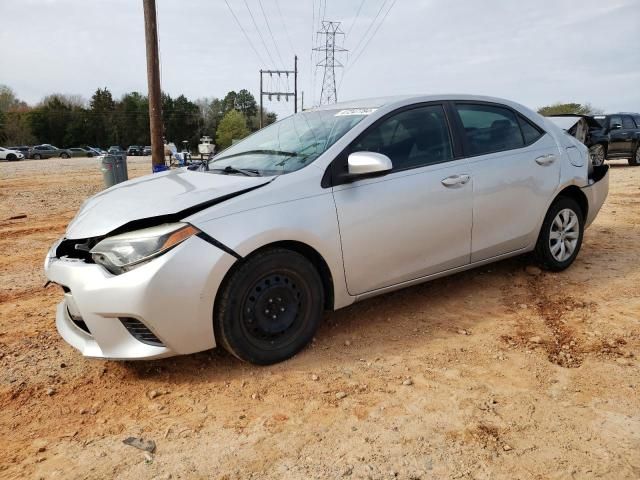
x,y
265,152
230,169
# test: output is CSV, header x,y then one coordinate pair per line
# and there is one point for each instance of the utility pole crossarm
x,y
278,95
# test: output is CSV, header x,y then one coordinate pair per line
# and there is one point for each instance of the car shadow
x,y
400,312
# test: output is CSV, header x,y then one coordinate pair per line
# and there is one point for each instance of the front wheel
x,y
635,160
36,156
270,307
560,238
11,157
598,154
64,155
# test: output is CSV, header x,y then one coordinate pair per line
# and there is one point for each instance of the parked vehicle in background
x,y
206,147
620,137
10,155
48,151
82,152
95,152
98,151
146,150
587,130
116,150
317,211
134,150
23,149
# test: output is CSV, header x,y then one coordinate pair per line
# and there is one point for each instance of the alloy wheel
x,y
565,231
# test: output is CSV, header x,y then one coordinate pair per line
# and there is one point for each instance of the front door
x,y
416,220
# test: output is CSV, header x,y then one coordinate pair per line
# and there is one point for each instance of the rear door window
x,y
489,128
627,122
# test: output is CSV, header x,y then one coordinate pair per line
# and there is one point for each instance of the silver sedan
x,y
315,212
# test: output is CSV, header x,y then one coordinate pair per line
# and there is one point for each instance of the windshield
x,y
601,119
288,145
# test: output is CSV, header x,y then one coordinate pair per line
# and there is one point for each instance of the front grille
x,y
140,332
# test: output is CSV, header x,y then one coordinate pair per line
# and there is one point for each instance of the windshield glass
x,y
601,119
289,144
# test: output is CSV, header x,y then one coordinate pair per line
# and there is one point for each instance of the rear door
x,y
414,221
618,136
515,168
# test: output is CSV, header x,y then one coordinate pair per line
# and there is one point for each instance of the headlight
x,y
124,252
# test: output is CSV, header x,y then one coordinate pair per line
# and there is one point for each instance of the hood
x,y
177,193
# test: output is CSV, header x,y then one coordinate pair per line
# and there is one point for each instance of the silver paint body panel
x,y
375,235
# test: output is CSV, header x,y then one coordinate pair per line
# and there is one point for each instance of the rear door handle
x,y
456,180
546,159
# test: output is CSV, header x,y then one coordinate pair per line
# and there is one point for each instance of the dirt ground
x,y
496,373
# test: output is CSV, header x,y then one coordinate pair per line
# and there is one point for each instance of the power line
x,y
384,2
259,32
271,33
245,33
286,30
373,35
365,45
346,33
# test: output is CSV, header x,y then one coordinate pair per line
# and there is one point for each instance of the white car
x,y
315,212
10,155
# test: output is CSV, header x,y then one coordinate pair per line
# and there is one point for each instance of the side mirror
x,y
367,164
616,126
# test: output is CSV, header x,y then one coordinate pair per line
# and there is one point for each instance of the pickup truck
x,y
620,138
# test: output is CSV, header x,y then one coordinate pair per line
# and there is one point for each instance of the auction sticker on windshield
x,y
355,111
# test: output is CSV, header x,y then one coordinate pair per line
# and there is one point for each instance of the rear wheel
x,y
36,156
598,154
270,307
635,160
560,238
64,155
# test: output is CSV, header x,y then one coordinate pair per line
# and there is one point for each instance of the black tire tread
x,y
224,299
632,161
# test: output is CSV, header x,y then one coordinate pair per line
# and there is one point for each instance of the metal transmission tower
x,y
330,30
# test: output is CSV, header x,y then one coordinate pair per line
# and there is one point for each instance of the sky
x,y
535,52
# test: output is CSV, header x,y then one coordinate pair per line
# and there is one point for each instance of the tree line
x,y
69,120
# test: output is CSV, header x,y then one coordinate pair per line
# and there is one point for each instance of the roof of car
x,y
378,102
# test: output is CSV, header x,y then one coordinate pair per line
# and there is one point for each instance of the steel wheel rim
x,y
597,155
273,310
564,235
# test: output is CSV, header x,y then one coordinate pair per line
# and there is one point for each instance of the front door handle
x,y
546,159
456,180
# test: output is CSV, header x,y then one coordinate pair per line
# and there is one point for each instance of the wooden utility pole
x,y
295,84
153,80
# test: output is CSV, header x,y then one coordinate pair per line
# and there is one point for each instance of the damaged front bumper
x,y
596,192
159,309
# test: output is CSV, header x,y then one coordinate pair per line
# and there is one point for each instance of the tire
x,y
245,321
559,223
64,155
598,154
36,156
11,157
635,160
